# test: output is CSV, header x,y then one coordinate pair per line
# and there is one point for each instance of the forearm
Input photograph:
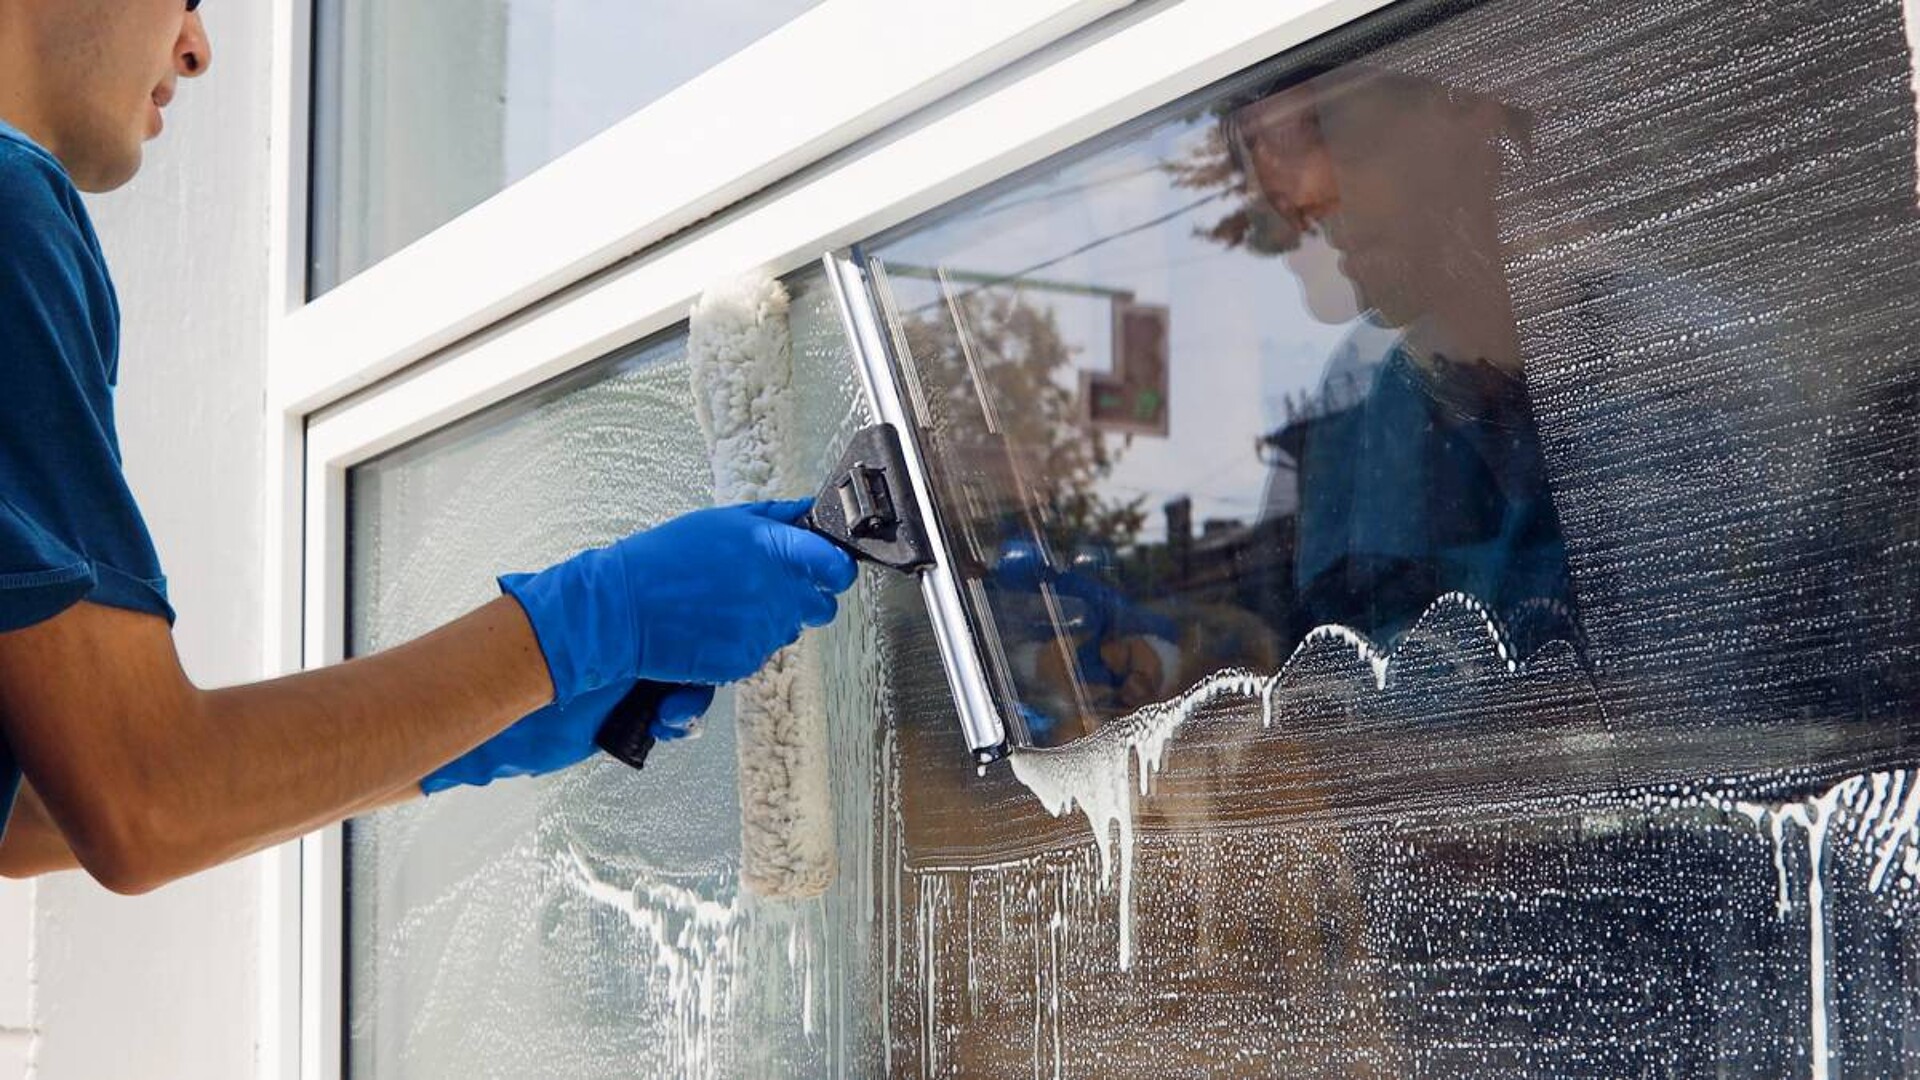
x,y
406,793
302,752
33,844
169,779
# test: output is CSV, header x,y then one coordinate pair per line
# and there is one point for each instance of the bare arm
x,y
148,778
32,844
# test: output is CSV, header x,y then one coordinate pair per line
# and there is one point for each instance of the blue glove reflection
x,y
703,599
1040,726
557,736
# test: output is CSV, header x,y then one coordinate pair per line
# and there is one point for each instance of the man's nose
x,y
193,53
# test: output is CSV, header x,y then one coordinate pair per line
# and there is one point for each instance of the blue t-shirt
x,y
1431,482
69,527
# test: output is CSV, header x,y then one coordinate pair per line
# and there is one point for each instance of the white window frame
x,y
998,87
835,74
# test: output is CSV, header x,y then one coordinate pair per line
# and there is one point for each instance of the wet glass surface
x,y
1379,326
592,923
1236,379
1589,754
1516,498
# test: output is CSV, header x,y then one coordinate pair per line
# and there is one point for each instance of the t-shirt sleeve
x,y
39,576
61,485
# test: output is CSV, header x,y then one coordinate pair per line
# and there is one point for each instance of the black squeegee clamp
x,y
867,506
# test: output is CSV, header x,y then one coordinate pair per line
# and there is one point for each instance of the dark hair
x,y
1517,122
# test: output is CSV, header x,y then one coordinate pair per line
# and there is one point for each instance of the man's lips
x,y
161,97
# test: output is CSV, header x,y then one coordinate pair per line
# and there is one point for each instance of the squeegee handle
x,y
627,731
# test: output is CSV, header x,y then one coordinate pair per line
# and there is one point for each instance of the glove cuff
x,y
579,619
552,646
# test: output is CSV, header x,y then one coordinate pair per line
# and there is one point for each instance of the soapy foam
x,y
1875,816
1882,810
1093,773
1882,814
1037,908
1813,816
693,939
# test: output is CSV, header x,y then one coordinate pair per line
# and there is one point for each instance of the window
x,y
846,68
591,922
1422,494
426,110
1445,499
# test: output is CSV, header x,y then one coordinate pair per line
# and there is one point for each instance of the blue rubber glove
x,y
703,599
680,713
557,736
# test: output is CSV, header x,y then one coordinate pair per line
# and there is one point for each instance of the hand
x,y
705,599
557,736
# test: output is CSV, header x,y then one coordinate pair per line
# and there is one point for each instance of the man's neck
x,y
1486,334
20,95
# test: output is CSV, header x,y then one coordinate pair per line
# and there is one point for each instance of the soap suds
x,y
710,950
1032,907
1813,816
693,940
1093,773
1878,816
1881,812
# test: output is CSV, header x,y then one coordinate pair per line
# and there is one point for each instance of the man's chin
x,y
108,173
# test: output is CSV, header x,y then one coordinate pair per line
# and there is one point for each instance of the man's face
x,y
1293,193
1286,161
1381,170
106,70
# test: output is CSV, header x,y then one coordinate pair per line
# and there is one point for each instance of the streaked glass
x,y
1448,502
591,923
1677,835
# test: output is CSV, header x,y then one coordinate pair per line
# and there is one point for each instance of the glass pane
x,y
1664,827
1186,415
591,923
1338,349
1460,487
421,111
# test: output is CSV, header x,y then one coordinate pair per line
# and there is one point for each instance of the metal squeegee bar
x,y
980,719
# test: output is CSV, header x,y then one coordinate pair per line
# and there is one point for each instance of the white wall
x,y
16,978
102,987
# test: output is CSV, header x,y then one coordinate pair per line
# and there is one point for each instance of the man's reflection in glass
x,y
1419,466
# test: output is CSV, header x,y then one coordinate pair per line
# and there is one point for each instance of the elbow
x,y
126,878
127,873
20,865
127,850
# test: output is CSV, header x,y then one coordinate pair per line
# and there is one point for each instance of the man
x,y
1422,472
121,765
